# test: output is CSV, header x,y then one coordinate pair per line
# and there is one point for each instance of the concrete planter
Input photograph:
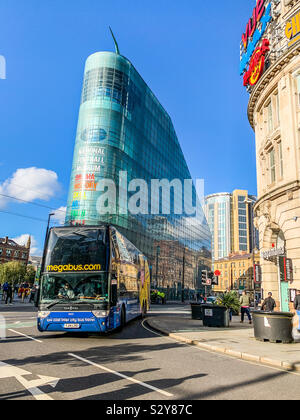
x,y
215,316
275,327
197,312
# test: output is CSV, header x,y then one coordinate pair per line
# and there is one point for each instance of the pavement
x,y
16,303
238,341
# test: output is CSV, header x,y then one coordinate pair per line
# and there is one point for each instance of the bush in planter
x,y
230,300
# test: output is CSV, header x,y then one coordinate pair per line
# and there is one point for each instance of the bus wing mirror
x,y
37,297
114,293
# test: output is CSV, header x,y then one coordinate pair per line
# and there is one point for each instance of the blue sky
x,y
187,52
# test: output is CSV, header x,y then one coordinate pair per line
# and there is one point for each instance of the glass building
x,y
123,128
230,219
218,212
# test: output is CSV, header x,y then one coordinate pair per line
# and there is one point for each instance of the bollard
x,y
2,328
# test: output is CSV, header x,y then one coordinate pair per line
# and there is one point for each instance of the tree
x,y
30,274
12,272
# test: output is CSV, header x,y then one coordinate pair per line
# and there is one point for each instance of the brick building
x,y
11,251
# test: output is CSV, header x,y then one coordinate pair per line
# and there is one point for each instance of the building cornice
x,y
269,75
277,193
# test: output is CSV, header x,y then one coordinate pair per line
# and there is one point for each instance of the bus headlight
x,y
43,314
100,314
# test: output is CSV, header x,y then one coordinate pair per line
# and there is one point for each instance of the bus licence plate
x,y
72,326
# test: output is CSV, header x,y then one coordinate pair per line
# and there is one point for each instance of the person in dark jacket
x,y
297,306
297,301
9,295
269,304
4,288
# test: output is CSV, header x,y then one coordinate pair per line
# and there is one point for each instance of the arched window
x,y
280,243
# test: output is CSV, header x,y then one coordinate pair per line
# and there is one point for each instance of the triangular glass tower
x,y
123,128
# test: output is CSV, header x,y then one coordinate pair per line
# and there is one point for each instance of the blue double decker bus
x,y
93,280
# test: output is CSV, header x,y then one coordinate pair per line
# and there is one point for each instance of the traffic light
x,y
207,277
213,279
204,276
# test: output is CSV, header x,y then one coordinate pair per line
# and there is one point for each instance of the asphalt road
x,y
135,364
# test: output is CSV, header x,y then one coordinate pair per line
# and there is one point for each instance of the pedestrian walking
x,y
20,291
201,298
297,306
9,295
269,304
32,294
4,289
245,307
24,294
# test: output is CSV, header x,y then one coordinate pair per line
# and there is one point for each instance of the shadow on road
x,y
132,391
127,352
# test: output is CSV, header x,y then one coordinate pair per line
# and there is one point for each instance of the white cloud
x,y
30,184
23,239
60,215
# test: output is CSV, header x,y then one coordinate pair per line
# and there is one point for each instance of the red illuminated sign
x,y
257,64
253,22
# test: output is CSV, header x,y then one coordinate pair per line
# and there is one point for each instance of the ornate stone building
x,y
237,273
274,114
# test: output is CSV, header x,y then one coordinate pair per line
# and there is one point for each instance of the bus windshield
x,y
77,247
62,288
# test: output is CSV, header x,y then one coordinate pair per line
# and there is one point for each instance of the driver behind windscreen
x,y
66,292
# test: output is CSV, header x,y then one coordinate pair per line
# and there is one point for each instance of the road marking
x,y
24,335
153,332
170,312
153,388
8,371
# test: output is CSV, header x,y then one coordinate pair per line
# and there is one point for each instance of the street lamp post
x,y
157,254
183,269
47,232
249,202
48,225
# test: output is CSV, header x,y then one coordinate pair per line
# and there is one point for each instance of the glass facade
x,y
243,225
230,219
220,227
122,127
